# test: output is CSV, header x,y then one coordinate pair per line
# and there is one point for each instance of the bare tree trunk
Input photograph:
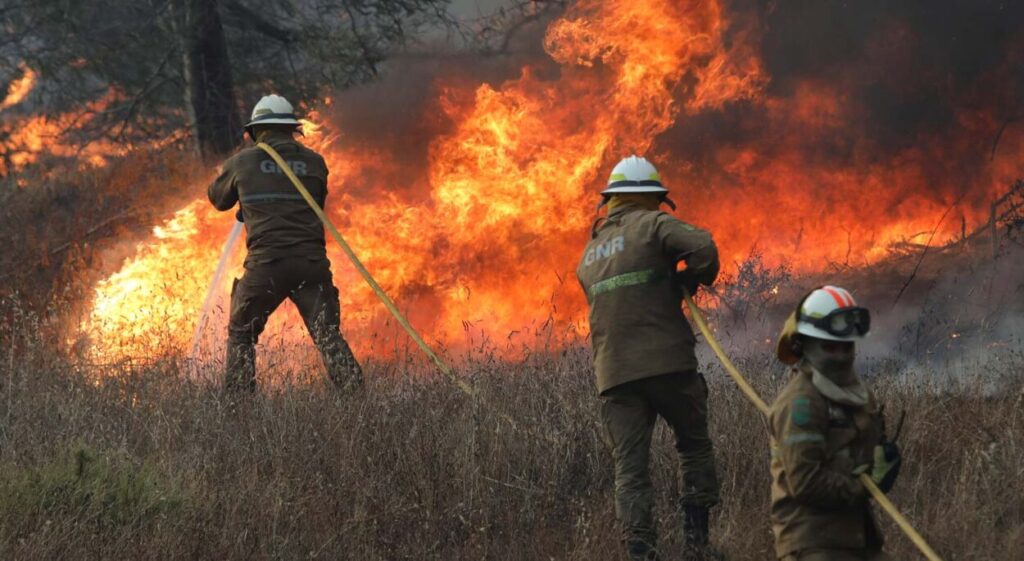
x,y
209,88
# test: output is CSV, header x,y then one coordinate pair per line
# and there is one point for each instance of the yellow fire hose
x,y
751,394
747,389
388,303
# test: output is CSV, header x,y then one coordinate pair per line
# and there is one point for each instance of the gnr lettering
x,y
269,166
605,250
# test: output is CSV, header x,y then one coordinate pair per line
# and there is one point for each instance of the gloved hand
x,y
684,279
239,216
886,466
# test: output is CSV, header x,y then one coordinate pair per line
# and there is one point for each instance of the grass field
x,y
143,465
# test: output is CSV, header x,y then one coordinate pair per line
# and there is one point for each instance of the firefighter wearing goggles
x,y
827,429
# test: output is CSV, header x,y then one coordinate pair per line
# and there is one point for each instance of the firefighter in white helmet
x,y
643,351
827,429
286,249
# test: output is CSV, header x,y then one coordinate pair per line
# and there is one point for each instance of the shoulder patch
x,y
801,411
687,227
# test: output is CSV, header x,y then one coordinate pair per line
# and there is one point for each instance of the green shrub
x,y
107,489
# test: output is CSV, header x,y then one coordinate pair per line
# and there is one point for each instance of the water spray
x,y
204,316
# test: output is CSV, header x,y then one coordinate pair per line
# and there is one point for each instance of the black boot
x,y
640,550
342,367
240,367
695,535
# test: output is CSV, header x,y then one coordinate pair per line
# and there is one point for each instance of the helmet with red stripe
x,y
831,313
828,313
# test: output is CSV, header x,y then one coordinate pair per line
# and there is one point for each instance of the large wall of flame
x,y
879,119
812,132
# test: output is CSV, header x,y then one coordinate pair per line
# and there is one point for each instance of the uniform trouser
x,y
628,413
262,288
837,555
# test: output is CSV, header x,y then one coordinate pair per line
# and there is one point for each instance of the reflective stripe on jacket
x,y
817,502
637,326
278,221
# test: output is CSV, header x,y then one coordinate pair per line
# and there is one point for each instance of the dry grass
x,y
145,466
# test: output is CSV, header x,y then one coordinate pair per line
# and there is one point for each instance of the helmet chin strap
x,y
669,202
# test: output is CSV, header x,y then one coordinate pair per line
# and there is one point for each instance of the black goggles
x,y
843,322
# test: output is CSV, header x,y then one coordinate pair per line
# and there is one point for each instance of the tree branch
x,y
254,21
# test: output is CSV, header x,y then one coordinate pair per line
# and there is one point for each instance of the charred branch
x,y
1002,129
495,34
924,251
92,231
369,58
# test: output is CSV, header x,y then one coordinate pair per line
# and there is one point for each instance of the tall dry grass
x,y
142,464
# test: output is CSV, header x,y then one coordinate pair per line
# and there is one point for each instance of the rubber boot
x,y
240,368
640,550
342,367
695,535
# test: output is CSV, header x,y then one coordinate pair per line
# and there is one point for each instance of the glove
x,y
886,466
239,216
685,280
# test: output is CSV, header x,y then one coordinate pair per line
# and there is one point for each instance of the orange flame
x,y
151,287
485,244
23,141
19,89
498,237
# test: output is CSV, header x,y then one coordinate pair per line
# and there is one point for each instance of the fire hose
x,y
745,387
751,395
236,230
388,303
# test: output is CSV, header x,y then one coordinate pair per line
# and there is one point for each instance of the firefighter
x,y
643,350
827,429
286,251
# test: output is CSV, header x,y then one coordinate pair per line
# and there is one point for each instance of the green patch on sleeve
x,y
801,411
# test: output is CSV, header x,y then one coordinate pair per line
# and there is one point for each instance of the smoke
x,y
876,109
394,119
812,136
959,321
871,112
860,82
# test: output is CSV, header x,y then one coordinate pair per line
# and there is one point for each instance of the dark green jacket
x,y
278,221
637,326
817,502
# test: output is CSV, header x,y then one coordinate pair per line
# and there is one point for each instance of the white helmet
x,y
827,313
831,313
272,110
634,175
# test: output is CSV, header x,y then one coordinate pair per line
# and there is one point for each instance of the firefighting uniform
x,y
644,357
286,257
820,511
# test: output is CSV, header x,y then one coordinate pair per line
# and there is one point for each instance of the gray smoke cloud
x,y
910,69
